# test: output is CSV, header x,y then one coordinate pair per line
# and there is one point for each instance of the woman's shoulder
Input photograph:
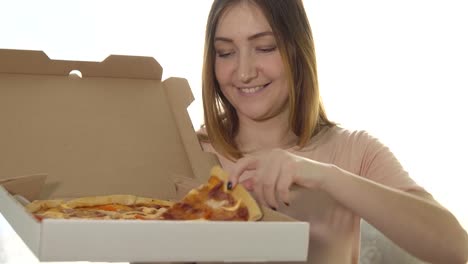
x,y
339,136
342,132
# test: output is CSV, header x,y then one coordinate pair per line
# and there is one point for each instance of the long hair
x,y
293,34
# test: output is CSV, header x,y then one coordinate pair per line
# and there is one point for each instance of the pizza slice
x,y
213,201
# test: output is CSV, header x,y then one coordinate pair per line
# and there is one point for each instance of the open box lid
x,y
107,132
117,129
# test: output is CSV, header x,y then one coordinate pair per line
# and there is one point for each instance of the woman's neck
x,y
272,133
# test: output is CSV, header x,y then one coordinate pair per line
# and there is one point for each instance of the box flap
x,y
115,66
28,187
180,96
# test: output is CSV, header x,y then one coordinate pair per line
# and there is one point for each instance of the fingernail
x,y
274,208
229,185
287,204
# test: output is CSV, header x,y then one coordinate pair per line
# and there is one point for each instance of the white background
x,y
398,69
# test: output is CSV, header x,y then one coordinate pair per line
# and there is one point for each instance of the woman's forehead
x,y
242,20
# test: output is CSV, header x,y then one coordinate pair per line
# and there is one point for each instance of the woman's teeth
x,y
251,89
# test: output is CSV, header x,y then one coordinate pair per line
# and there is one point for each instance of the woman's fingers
x,y
284,183
269,175
242,165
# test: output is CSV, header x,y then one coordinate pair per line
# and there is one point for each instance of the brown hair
x,y
292,31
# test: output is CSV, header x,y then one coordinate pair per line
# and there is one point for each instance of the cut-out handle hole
x,y
76,74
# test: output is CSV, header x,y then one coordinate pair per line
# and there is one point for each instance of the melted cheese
x,y
148,210
215,204
233,208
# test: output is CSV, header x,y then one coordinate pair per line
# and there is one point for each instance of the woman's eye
x,y
267,49
224,54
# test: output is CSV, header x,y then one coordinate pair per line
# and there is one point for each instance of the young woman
x,y
265,122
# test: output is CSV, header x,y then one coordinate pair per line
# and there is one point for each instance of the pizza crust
x,y
43,204
151,201
102,200
53,213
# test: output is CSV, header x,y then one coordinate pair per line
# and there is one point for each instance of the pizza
x,y
211,201
100,207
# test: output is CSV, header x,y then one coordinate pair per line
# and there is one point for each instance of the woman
x,y
265,122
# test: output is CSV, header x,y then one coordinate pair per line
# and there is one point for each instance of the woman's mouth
x,y
252,89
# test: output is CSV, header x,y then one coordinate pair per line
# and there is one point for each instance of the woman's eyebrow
x,y
223,39
254,36
261,34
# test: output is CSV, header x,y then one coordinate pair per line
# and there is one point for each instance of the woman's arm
x,y
412,220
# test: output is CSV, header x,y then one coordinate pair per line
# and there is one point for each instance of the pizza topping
x,y
147,210
155,206
184,211
243,213
211,201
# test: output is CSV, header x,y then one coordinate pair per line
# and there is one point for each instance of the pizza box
x,y
76,128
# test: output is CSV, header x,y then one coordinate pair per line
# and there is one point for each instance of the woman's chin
x,y
257,115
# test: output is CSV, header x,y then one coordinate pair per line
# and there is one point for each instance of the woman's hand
x,y
270,174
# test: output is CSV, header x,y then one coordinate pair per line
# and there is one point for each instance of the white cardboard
x,y
25,226
156,241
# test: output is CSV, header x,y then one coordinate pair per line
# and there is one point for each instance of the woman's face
x,y
248,64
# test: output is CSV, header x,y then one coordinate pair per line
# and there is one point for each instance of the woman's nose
x,y
246,68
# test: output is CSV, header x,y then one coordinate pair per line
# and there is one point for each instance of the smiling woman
x,y
396,69
266,124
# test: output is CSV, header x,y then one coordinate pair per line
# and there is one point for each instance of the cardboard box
x,y
118,129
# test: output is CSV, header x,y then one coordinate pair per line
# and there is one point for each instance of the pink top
x,y
335,230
